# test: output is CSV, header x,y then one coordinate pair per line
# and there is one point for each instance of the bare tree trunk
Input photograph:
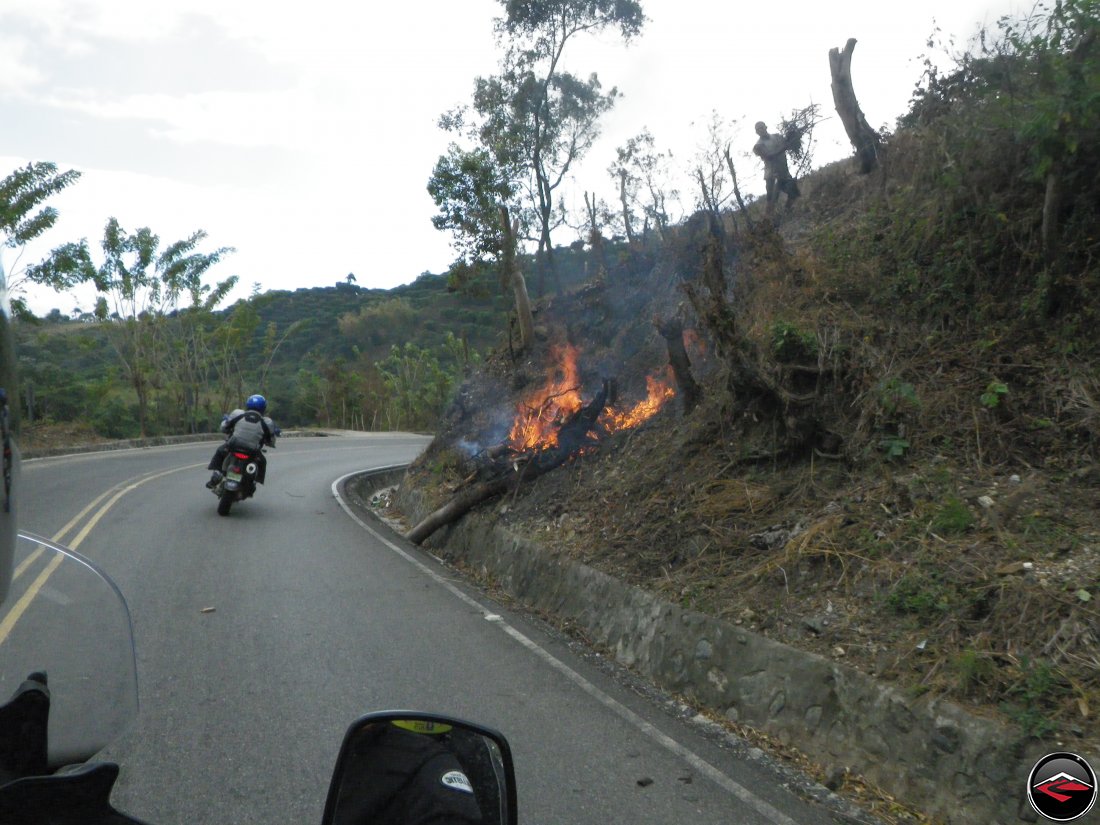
x,y
1052,203
672,330
708,199
515,279
595,239
737,189
540,269
142,392
626,207
29,387
863,137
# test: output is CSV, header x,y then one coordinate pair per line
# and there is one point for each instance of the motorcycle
x,y
240,472
402,767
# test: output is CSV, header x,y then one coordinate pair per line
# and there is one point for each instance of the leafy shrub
x,y
1034,697
894,446
895,395
790,344
974,670
919,595
116,419
994,394
953,517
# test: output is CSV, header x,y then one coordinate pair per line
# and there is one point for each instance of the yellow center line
x,y
27,562
75,519
33,557
20,607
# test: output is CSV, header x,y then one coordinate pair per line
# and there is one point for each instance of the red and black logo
x,y
1062,787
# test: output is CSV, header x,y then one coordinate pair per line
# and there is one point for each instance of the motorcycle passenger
x,y
402,777
247,430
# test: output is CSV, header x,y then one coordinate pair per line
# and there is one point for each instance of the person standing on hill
x,y
772,149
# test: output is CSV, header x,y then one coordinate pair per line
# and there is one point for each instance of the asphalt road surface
x,y
262,635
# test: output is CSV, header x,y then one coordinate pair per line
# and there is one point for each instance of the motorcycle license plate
x,y
232,475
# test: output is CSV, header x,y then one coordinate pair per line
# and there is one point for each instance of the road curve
x,y
262,635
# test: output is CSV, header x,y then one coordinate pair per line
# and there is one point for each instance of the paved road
x,y
261,636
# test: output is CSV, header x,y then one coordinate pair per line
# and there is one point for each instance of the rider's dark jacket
x,y
406,778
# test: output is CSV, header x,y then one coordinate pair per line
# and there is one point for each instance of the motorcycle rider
x,y
247,430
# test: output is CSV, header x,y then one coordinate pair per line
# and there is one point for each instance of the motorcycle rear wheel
x,y
224,503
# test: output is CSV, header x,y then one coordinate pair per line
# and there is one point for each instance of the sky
x,y
303,135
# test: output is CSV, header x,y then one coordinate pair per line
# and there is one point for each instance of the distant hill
x,y
71,373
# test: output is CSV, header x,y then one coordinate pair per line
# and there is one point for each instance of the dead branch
x,y
737,190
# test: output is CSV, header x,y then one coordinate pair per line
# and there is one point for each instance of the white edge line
x,y
697,762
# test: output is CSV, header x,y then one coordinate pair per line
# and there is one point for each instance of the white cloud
x,y
16,71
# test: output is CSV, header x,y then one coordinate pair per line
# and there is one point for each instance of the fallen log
x,y
458,507
573,436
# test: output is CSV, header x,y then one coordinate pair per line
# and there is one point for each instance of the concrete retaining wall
x,y
136,443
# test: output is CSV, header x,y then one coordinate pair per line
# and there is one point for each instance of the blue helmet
x,y
257,403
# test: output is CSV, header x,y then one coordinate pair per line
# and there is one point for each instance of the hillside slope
x,y
911,491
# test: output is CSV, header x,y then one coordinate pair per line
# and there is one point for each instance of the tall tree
x,y
142,284
418,387
865,140
23,218
554,113
476,196
227,344
710,168
643,174
187,344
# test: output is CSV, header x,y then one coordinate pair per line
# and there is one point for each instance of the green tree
x,y
142,283
536,114
1064,116
376,323
273,341
418,387
24,218
476,196
188,338
228,345
1017,115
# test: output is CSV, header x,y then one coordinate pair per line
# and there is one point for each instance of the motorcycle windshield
x,y
63,616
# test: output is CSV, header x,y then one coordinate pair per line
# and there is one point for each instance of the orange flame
x,y
540,414
543,411
660,391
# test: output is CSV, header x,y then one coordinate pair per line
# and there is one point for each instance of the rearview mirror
x,y
404,767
